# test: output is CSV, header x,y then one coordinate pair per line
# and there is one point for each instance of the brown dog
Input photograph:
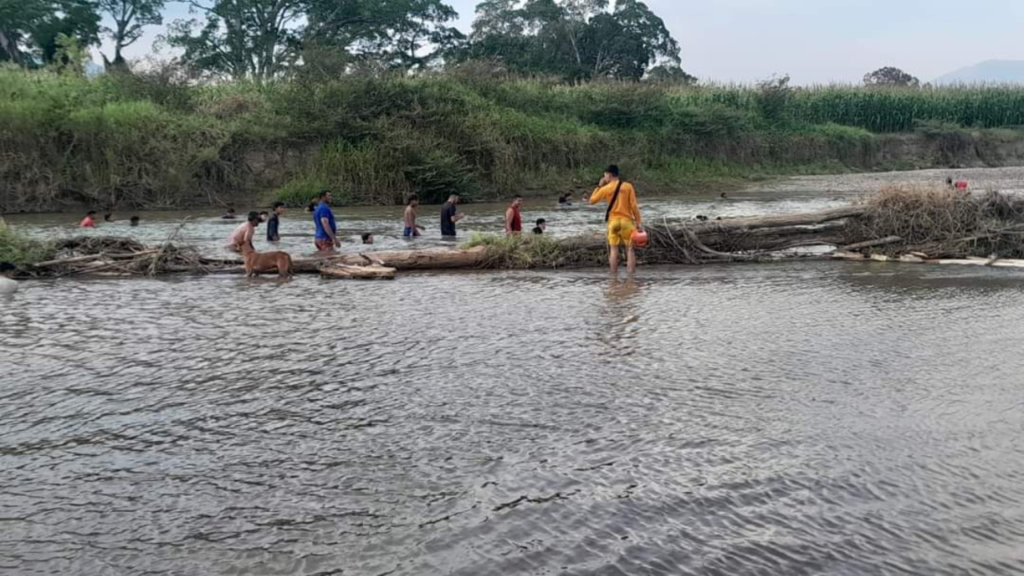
x,y
256,262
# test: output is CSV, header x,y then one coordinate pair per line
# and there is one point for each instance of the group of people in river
x,y
90,220
622,218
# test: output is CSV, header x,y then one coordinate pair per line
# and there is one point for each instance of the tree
x,y
29,29
130,17
890,77
76,19
17,20
574,39
395,32
670,74
240,38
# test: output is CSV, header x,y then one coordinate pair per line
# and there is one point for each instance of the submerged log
x,y
371,272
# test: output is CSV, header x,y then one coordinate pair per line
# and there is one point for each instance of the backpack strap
x,y
615,197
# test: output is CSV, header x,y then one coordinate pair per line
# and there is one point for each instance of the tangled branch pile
x,y
122,257
941,223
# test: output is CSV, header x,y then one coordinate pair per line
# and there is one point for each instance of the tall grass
x,y
155,140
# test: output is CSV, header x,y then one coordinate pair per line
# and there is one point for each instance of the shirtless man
x,y
411,230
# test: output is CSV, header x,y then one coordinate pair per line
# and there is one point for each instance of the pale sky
x,y
815,41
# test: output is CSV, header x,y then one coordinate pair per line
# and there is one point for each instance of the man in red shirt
x,y
513,218
88,221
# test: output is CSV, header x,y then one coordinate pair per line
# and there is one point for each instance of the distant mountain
x,y
990,71
93,69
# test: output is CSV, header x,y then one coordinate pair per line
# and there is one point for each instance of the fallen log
x,y
371,272
871,243
431,259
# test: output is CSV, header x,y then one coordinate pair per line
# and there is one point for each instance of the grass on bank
x,y
20,250
153,140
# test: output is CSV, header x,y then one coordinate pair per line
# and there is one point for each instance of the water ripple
x,y
799,419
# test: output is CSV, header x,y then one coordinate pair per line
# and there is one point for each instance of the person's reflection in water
x,y
621,315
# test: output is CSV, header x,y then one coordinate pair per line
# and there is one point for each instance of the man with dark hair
x,y
449,216
410,229
514,217
134,221
273,234
541,226
622,217
367,237
326,228
243,235
89,221
229,215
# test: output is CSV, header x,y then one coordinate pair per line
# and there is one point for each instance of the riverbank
x,y
132,142
1005,179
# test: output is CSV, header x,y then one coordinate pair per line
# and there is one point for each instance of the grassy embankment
x,y
135,141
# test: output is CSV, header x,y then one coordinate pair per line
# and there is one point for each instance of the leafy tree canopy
x,y
890,76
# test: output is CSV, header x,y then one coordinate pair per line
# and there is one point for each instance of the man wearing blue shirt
x,y
326,230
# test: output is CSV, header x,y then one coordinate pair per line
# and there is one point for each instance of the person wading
x,y
449,216
326,229
622,217
274,223
514,218
243,235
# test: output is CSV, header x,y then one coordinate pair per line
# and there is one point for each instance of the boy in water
x,y
273,235
367,238
89,221
411,230
541,226
264,216
134,221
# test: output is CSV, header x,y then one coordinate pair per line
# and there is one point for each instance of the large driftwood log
x,y
432,259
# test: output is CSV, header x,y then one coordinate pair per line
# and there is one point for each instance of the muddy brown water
x,y
798,418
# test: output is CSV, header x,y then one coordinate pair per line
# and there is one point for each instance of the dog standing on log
x,y
256,262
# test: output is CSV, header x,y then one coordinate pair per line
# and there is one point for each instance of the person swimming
x,y
229,215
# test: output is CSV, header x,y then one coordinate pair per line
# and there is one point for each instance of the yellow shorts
x,y
620,231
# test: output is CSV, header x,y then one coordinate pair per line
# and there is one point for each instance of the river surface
x,y
797,418
206,230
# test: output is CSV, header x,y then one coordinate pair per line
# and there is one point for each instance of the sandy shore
x,y
1002,179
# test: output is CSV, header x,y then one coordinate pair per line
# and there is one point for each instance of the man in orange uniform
x,y
622,217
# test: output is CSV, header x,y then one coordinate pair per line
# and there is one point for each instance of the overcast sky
x,y
815,41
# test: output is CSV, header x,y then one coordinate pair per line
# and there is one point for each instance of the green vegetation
x,y
518,252
159,140
377,99
21,250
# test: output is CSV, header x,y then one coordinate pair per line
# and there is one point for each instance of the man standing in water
x,y
622,217
449,216
326,229
514,218
243,235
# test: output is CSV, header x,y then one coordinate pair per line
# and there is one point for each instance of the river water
x,y
796,418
